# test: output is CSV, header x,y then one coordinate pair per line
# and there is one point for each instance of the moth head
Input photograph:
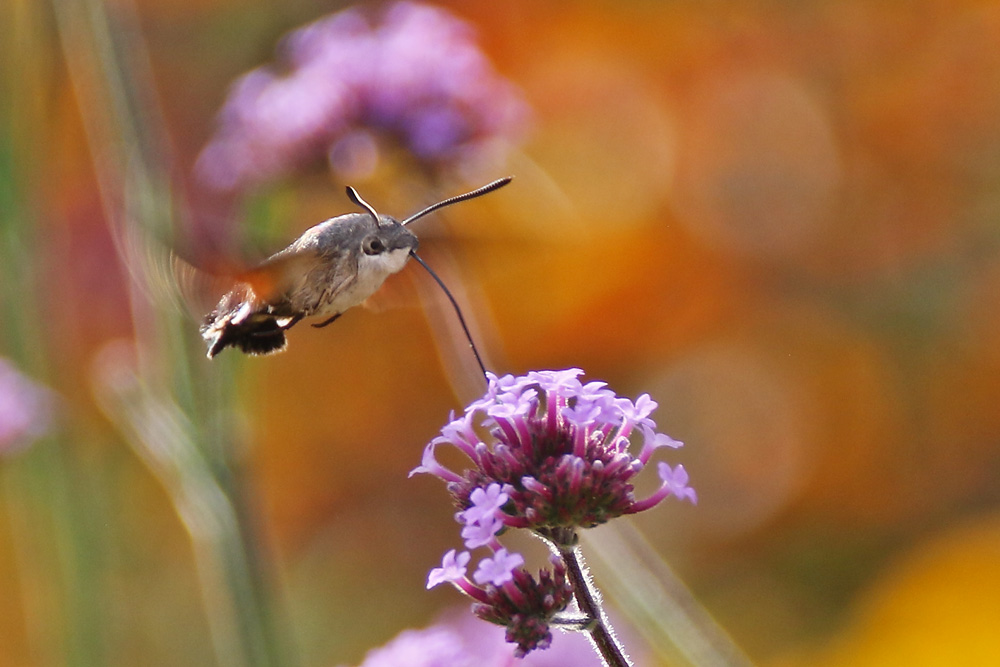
x,y
387,241
388,238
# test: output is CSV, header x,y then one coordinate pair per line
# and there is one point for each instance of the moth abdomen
x,y
254,333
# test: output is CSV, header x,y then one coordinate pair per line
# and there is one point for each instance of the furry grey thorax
x,y
355,258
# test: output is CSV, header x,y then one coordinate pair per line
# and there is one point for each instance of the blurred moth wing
x,y
171,277
280,274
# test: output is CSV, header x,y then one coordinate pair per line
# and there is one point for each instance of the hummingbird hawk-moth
x,y
331,268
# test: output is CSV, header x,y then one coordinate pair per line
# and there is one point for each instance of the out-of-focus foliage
x,y
781,220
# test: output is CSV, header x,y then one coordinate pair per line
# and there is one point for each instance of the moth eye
x,y
373,245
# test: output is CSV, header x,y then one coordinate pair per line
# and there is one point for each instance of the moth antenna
x,y
353,195
458,311
478,192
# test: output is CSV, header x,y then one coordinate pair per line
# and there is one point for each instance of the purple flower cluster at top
x,y
561,460
25,409
417,76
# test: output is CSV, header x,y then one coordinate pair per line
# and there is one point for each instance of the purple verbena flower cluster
x,y
561,457
417,77
560,460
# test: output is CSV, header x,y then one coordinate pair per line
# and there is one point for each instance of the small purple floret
x,y
676,479
430,466
484,503
481,533
499,569
453,568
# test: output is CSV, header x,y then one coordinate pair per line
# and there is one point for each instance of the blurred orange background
x,y
781,220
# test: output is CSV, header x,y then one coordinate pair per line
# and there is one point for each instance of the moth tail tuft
x,y
254,335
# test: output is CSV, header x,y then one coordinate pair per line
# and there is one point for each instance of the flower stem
x,y
589,602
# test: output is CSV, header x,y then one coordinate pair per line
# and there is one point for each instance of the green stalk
x,y
57,557
174,410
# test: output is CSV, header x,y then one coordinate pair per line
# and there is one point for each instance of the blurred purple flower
x,y
417,76
459,640
25,409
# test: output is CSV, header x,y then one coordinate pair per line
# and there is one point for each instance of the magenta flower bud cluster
x,y
526,605
504,592
560,459
416,76
508,596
